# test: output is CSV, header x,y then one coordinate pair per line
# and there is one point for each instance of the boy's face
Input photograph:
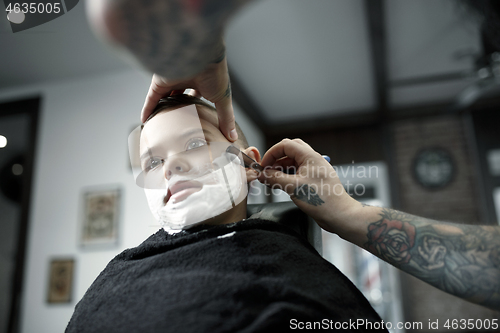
x,y
187,174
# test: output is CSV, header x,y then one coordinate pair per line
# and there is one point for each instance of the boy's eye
x,y
195,143
153,163
156,162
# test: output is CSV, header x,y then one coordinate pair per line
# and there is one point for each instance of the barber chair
x,y
289,214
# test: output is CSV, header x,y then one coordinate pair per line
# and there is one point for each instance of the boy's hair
x,y
184,100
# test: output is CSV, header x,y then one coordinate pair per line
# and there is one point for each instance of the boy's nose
x,y
176,166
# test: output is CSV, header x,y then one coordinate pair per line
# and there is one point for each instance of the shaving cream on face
x,y
215,197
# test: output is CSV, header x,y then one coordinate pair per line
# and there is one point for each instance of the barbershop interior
x,y
401,95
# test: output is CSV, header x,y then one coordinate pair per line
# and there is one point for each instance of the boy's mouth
x,y
181,190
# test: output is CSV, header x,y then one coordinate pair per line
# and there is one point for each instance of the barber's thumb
x,y
278,179
226,119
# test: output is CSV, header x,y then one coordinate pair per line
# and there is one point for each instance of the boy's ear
x,y
253,153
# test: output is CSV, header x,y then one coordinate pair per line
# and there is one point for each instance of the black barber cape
x,y
250,276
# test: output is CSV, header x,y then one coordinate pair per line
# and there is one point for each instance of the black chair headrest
x,y
289,214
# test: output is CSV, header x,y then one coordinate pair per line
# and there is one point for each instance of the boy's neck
x,y
235,214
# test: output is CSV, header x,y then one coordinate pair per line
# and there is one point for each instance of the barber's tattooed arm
x,y
173,38
463,260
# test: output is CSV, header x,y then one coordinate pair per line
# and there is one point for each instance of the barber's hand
x,y
184,46
315,187
213,84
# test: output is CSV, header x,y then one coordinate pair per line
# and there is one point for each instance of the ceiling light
x,y
3,141
16,18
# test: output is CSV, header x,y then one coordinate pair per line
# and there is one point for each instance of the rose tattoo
x,y
391,240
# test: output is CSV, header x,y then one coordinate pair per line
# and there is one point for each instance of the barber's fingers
x,y
176,92
221,97
158,89
286,163
295,149
225,114
215,85
251,175
278,179
195,93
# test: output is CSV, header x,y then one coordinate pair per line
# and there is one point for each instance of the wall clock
x,y
434,168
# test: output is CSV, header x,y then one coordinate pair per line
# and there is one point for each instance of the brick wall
x,y
456,202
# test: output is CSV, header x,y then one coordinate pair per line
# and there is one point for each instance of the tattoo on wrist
x,y
227,93
219,59
220,54
308,194
461,259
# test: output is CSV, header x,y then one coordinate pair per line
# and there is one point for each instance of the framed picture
x,y
100,220
60,281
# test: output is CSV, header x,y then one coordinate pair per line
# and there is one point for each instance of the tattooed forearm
x,y
173,38
463,260
308,194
